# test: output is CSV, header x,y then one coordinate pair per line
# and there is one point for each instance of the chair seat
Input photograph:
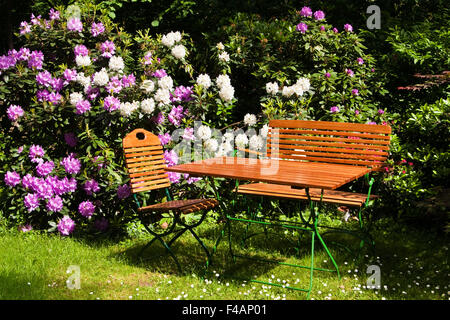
x,y
181,206
284,191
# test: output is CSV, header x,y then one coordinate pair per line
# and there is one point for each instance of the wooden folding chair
x,y
145,162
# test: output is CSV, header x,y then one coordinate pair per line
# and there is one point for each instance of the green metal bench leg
x,y
312,266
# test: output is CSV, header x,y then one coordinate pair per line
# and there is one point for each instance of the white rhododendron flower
x,y
241,140
162,96
226,93
204,132
116,63
228,136
250,119
171,38
101,78
224,56
272,88
223,80
148,86
83,80
179,51
211,144
148,106
176,36
83,61
256,142
264,131
303,83
166,83
224,149
127,108
204,80
75,97
220,46
288,91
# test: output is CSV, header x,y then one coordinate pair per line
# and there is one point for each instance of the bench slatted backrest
x,y
144,159
331,142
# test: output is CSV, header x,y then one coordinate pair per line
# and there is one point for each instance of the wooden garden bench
x,y
326,142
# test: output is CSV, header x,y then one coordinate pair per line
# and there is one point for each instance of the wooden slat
x,y
330,125
309,133
145,164
159,186
381,142
341,154
356,144
149,170
144,158
149,183
347,149
155,175
140,149
141,154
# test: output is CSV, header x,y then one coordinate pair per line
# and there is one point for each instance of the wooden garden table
x,y
297,174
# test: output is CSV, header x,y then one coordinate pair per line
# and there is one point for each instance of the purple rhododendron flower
x,y
176,115
111,103
14,112
55,204
191,180
170,157
86,208
91,186
44,78
70,74
371,122
31,201
355,92
129,81
36,60
25,228
148,58
43,189
360,60
114,85
164,138
71,164
108,48
57,84
182,93
12,178
348,27
302,27
322,28
45,168
81,50
83,106
306,12
349,72
380,111
161,73
335,30
66,226
70,139
188,134
160,118
54,97
319,15
174,177
123,191
27,181
36,151
54,14
97,29
42,95
356,112
334,109
75,24
25,27
327,74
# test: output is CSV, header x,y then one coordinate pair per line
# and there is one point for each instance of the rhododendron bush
x,y
70,94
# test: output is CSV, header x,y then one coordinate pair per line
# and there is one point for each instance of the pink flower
x,y
97,29
86,208
71,164
188,134
165,138
123,191
111,103
12,178
81,50
36,151
306,12
302,27
70,139
355,92
55,204
14,112
327,74
66,226
54,14
334,109
319,15
83,106
348,27
360,61
349,72
380,111
75,24
108,49
70,74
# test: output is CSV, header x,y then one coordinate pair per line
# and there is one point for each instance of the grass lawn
x,y
413,265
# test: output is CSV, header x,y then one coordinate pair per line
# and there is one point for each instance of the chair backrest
x,y
144,159
326,141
